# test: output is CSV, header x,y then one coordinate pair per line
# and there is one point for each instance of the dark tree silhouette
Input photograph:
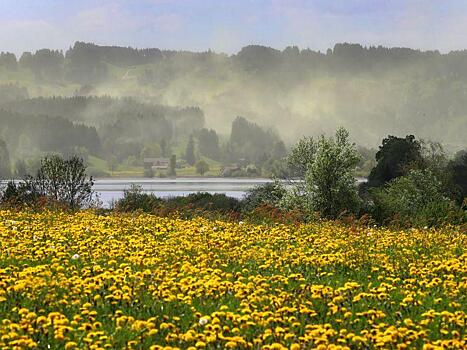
x,y
394,158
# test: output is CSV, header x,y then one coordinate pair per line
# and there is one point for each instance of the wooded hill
x,y
371,91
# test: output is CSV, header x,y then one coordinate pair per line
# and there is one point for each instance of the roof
x,y
156,160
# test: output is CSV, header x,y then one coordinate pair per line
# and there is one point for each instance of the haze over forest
x,y
371,91
106,98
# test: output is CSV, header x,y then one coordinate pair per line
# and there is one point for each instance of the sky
x,y
228,25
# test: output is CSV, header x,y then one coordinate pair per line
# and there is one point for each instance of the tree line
x,y
413,183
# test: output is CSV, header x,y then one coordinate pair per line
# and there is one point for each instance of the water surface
x,y
111,189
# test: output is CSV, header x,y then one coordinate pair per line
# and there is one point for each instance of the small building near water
x,y
156,163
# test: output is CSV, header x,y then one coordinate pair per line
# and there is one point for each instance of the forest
x,y
119,105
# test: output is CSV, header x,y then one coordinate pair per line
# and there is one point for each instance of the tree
x,y
457,168
61,180
8,60
164,148
250,142
201,167
190,151
208,143
152,150
395,157
5,171
65,180
301,156
330,180
325,172
279,151
172,165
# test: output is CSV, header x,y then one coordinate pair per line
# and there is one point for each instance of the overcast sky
x,y
227,26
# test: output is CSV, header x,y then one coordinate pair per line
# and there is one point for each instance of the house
x,y
156,163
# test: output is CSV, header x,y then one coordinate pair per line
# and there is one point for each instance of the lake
x,y
110,189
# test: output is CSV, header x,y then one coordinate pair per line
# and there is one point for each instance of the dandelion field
x,y
142,282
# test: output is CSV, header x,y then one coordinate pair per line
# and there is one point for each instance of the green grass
x,y
100,167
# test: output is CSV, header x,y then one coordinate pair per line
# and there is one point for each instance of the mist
x,y
129,100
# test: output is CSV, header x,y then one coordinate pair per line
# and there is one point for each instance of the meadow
x,y
70,281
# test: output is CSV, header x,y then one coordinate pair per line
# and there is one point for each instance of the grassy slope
x,y
100,168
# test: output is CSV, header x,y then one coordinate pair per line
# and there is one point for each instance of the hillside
x,y
371,91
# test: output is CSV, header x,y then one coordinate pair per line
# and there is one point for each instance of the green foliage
x,y
20,194
203,201
301,156
126,126
172,166
367,161
378,88
190,151
270,194
457,168
24,132
8,60
152,150
250,142
208,143
330,180
395,157
60,180
65,180
325,172
201,167
417,196
12,92
135,199
5,170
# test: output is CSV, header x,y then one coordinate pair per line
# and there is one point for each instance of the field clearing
x,y
138,282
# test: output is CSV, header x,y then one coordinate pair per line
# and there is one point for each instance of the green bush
x,y
18,194
204,201
58,180
416,199
270,194
135,199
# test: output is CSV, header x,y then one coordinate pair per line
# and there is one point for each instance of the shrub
x,y
204,201
414,199
20,193
135,199
270,194
58,180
